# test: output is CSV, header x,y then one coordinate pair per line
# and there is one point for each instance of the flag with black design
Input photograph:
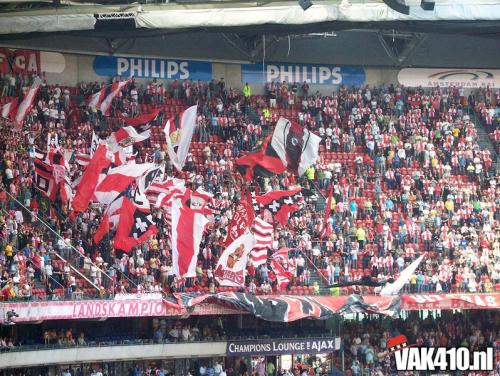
x,y
142,122
296,147
96,141
44,179
51,175
281,203
153,175
262,162
135,226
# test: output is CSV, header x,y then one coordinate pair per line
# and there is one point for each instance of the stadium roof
x,y
458,33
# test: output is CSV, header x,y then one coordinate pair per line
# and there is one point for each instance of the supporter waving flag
x,y
27,102
105,105
94,100
44,179
262,162
136,223
239,223
127,136
188,226
51,175
118,179
153,174
9,109
326,230
230,270
142,122
90,179
200,199
160,193
178,133
281,203
94,144
297,147
283,277
263,233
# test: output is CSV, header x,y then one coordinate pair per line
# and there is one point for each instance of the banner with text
x,y
312,74
152,68
143,306
283,346
450,301
19,61
467,78
27,61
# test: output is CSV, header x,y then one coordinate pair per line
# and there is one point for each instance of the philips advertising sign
x,y
468,78
312,74
152,68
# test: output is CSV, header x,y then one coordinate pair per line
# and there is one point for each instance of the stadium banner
x,y
288,308
152,68
312,74
418,302
27,61
283,346
19,61
467,78
34,311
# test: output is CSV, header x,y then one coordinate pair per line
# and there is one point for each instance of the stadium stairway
x,y
484,141
252,114
323,288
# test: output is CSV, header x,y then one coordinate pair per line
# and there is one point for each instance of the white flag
x,y
179,132
230,270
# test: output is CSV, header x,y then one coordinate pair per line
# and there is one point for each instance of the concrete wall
x,y
111,353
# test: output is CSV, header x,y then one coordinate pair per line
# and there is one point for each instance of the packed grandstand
x,y
170,217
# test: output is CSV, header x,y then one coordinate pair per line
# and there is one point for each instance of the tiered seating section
x,y
461,218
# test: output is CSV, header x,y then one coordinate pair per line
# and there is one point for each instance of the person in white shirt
x,y
218,369
186,333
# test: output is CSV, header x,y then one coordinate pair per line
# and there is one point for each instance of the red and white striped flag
x,y
105,105
9,109
118,179
82,159
127,136
188,226
95,100
263,233
282,276
27,103
160,193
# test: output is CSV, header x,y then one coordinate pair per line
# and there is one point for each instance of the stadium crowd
x,y
405,170
365,341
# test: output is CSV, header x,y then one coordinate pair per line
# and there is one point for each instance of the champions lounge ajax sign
x,y
283,346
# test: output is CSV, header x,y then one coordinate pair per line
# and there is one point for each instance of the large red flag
x,y
90,179
188,226
102,230
281,203
239,223
263,162
135,226
141,122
